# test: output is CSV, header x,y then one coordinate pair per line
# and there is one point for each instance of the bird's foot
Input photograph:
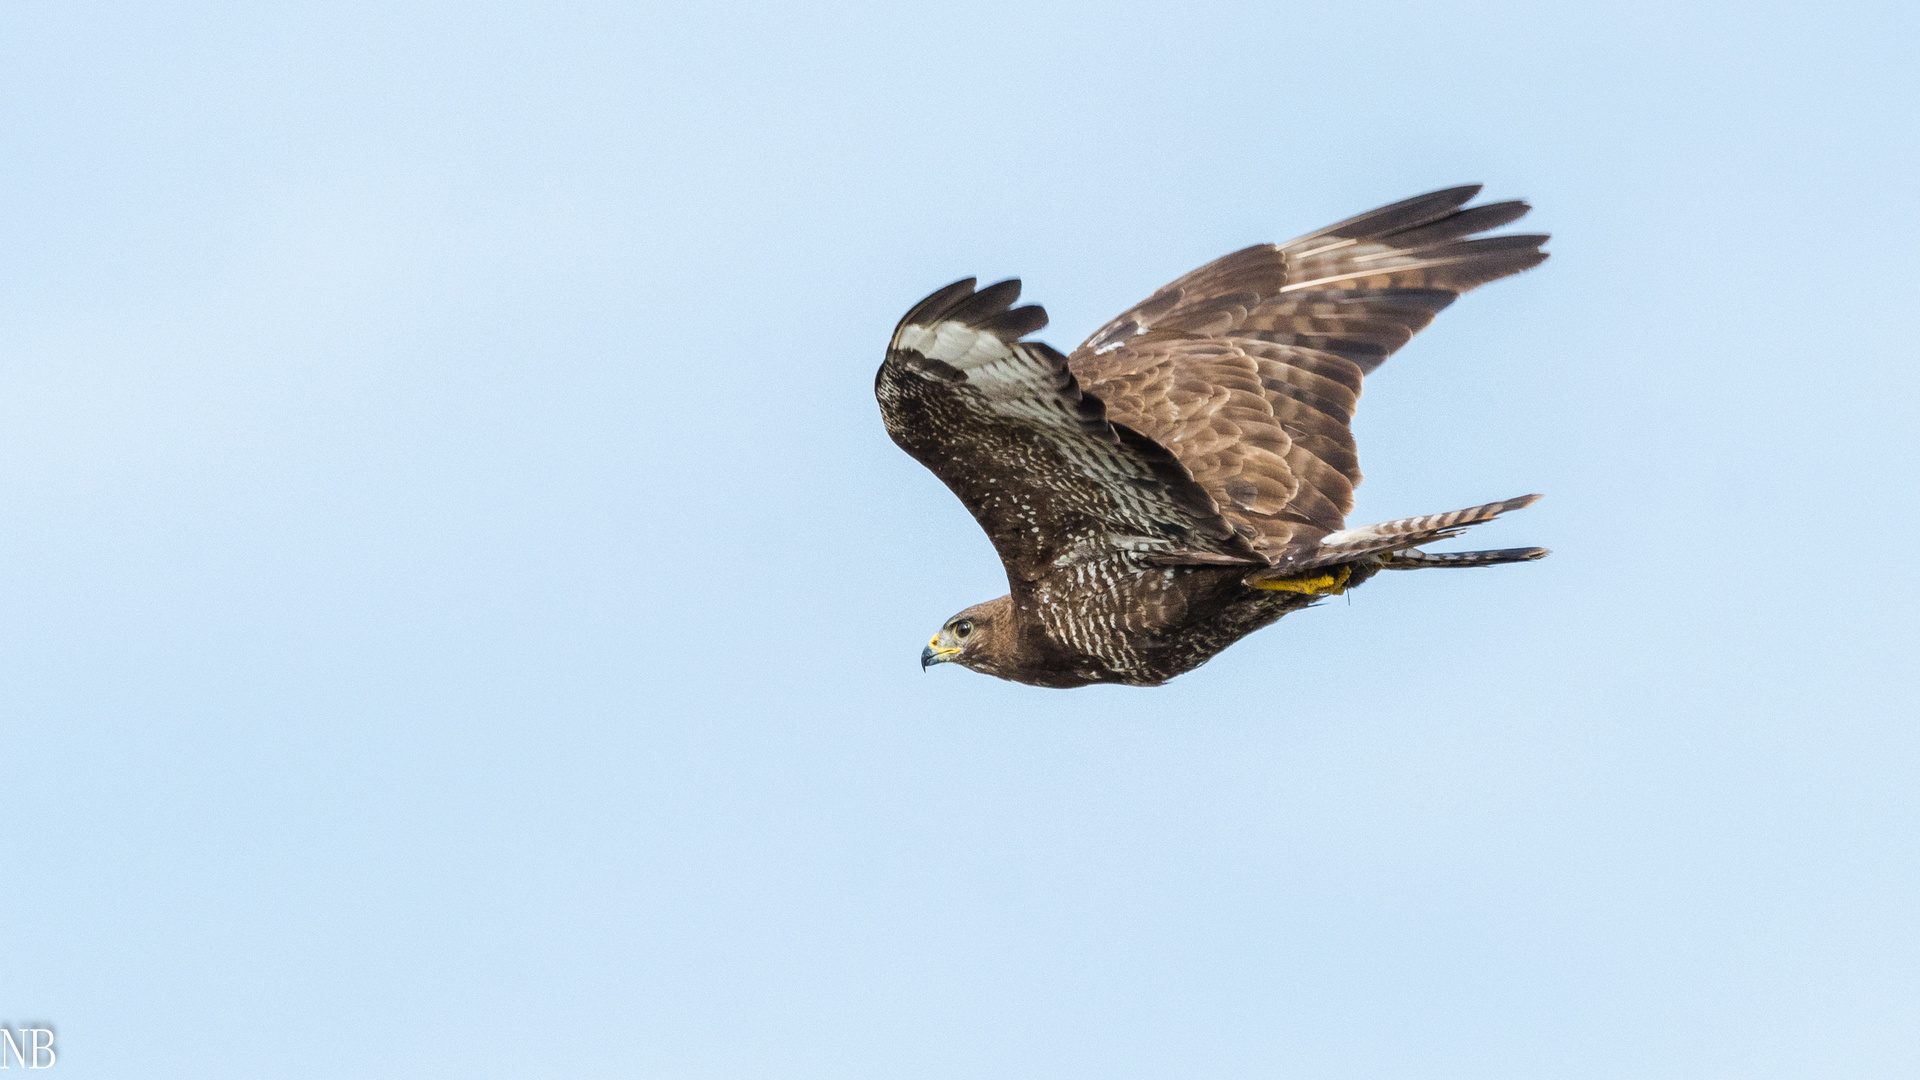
x,y
1329,582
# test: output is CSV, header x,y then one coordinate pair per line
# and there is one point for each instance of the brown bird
x,y
1183,478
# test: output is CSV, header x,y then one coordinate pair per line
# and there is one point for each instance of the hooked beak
x,y
934,654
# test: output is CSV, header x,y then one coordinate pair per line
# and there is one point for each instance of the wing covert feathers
x,y
1306,321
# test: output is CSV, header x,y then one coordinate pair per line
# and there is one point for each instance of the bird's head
x,y
971,639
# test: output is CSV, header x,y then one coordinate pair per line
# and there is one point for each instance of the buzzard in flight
x,y
1183,478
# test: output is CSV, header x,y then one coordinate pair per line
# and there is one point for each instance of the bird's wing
x,y
1049,477
1292,327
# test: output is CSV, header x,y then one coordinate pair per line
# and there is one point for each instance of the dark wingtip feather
x,y
1474,262
983,305
1512,242
1399,216
1473,219
991,309
938,302
1017,323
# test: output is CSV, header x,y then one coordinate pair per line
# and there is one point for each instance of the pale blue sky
x,y
459,610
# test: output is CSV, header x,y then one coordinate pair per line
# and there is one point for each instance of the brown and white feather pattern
x,y
1197,445
1421,560
1004,423
1403,533
1314,315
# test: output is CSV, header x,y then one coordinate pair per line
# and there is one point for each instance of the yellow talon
x,y
1325,583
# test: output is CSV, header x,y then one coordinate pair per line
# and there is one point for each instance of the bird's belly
x,y
1145,625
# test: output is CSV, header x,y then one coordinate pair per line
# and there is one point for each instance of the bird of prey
x,y
1182,479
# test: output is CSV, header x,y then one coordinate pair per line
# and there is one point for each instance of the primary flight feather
x,y
1182,479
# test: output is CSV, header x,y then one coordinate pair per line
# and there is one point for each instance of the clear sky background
x,y
460,612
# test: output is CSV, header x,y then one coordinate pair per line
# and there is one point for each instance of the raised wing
x,y
1004,423
1359,289
1280,475
1248,369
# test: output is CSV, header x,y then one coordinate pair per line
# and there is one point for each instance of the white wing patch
x,y
954,343
1027,385
1018,381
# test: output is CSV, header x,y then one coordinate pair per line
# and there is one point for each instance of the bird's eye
x,y
962,628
